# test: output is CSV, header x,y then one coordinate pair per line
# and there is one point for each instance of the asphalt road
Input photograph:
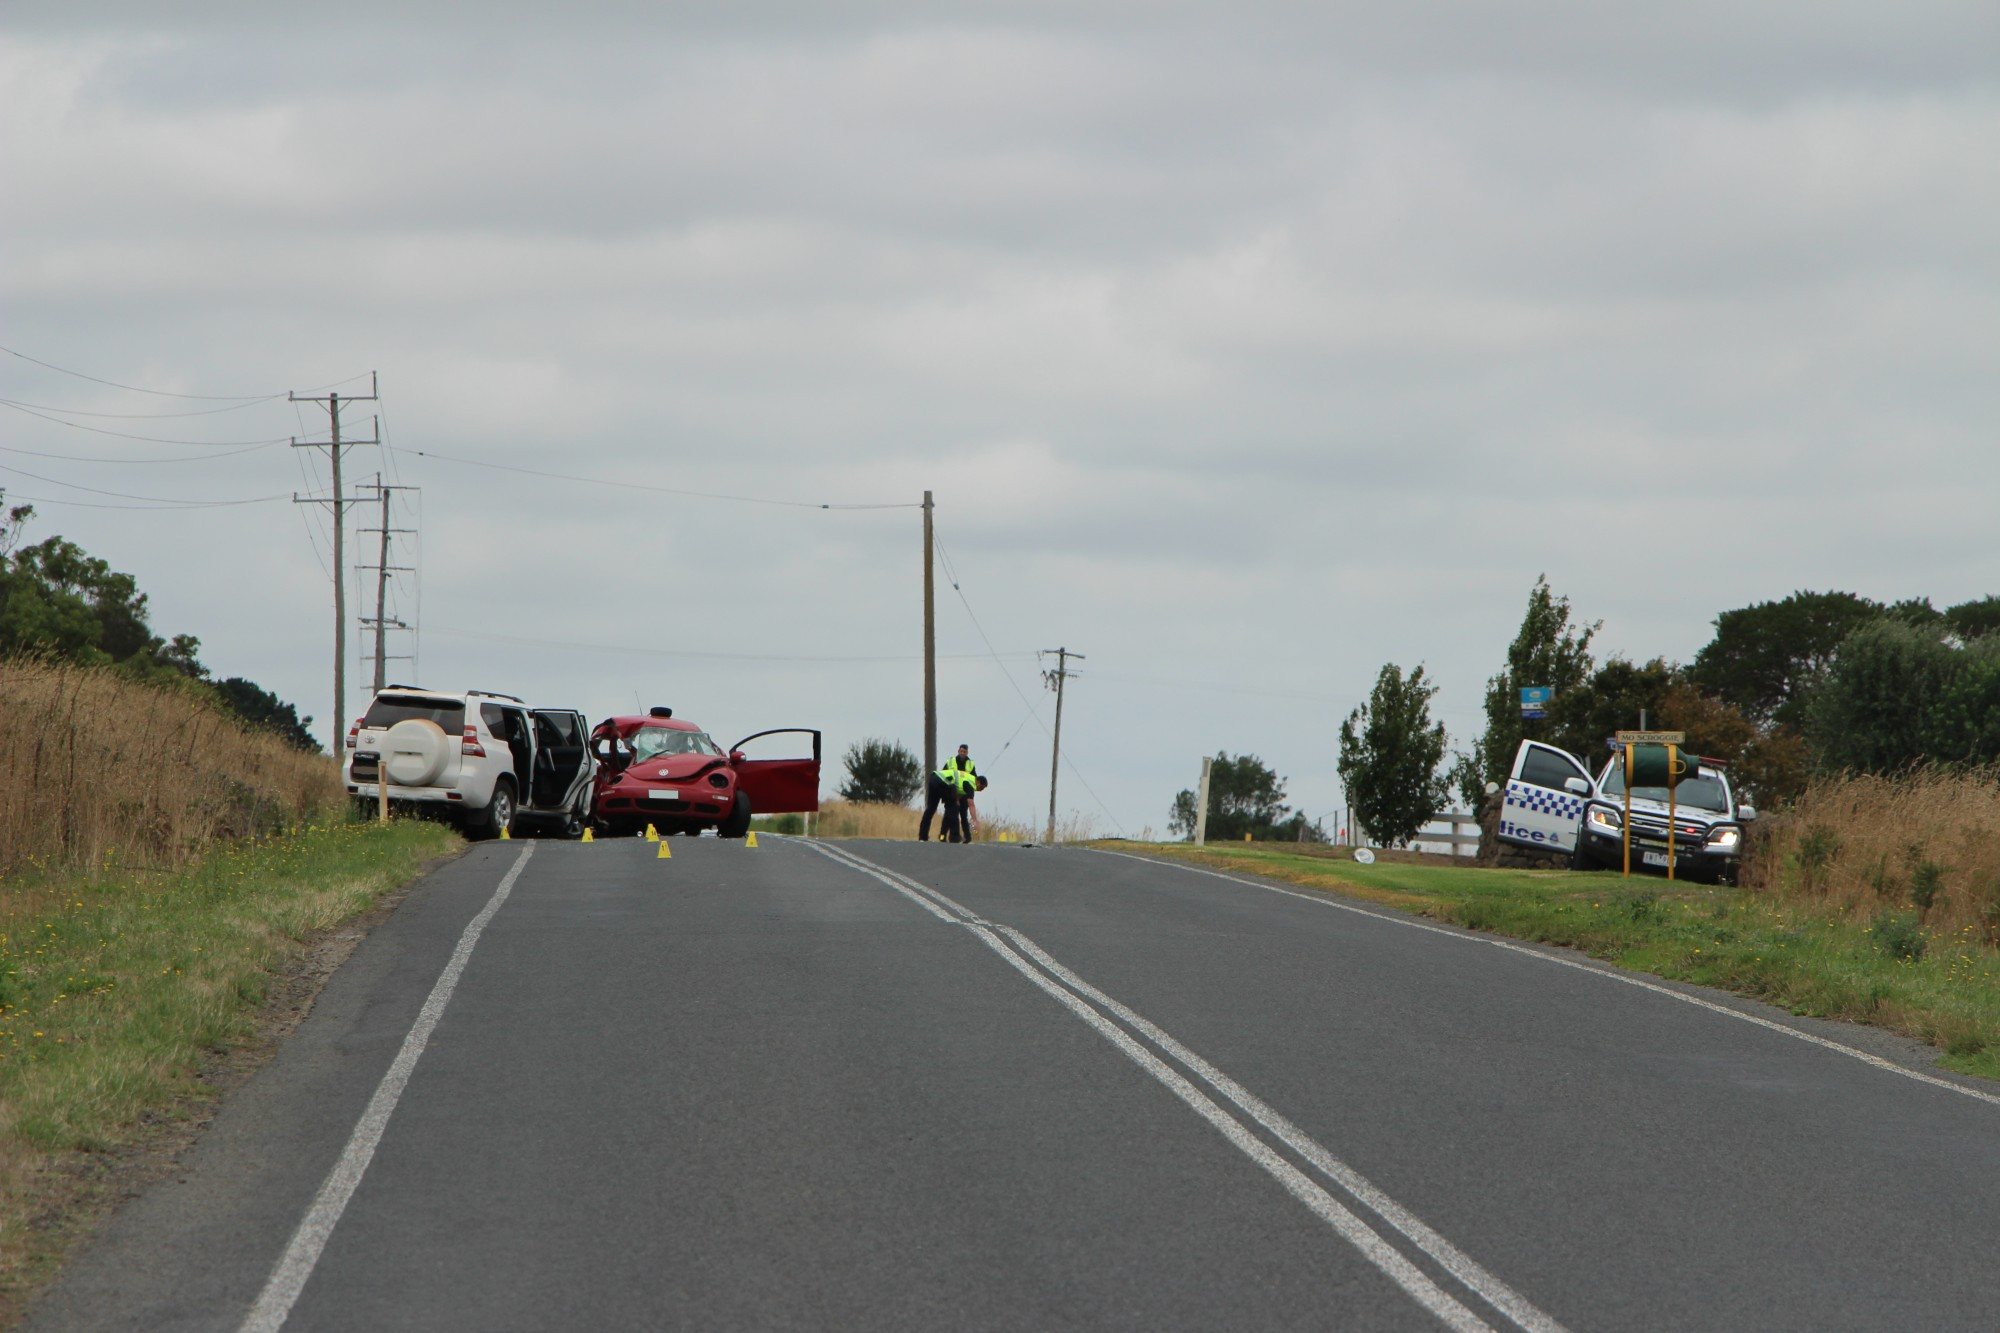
x,y
914,1086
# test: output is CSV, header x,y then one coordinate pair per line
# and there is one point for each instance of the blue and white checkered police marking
x,y
1541,800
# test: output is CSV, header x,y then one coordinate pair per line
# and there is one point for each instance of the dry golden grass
x,y
864,819
868,819
1927,840
98,771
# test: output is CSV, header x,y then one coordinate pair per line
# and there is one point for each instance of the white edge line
x,y
1471,937
295,1267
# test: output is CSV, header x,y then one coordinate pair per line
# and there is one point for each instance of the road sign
x,y
1535,701
1652,738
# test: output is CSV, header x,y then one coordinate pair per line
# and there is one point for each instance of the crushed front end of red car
x,y
662,771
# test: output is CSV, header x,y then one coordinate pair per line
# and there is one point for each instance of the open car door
x,y
1545,797
561,763
778,786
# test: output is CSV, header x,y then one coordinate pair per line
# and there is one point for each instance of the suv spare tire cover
x,y
415,751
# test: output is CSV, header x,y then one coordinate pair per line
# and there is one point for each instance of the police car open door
x,y
1545,795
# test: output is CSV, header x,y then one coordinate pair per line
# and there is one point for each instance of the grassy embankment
x,y
159,865
1872,900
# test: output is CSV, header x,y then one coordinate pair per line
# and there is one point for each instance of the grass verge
x,y
1940,986
120,993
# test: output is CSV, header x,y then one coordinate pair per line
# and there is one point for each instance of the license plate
x,y
669,794
1654,858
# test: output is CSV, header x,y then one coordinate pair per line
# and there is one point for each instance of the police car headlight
x,y
1725,839
1605,818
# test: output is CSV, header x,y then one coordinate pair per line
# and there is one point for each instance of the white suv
x,y
485,761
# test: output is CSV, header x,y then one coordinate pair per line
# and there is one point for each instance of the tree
x,y
1244,796
1549,652
260,708
1869,712
1962,724
1766,658
57,599
1971,620
1390,753
882,771
13,525
1583,718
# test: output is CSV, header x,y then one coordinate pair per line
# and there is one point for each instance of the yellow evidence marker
x,y
506,834
652,834
750,838
665,854
588,836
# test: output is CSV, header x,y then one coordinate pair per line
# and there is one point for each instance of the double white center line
x,y
1097,1009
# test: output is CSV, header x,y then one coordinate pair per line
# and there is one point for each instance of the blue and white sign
x,y
1535,700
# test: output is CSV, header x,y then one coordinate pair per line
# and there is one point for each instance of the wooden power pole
x,y
930,650
1055,681
382,622
334,447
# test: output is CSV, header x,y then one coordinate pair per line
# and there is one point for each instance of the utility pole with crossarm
x,y
339,501
382,622
1055,681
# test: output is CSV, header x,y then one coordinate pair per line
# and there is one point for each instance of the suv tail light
x,y
352,732
470,746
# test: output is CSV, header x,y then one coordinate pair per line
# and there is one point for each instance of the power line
x,y
643,651
165,504
151,416
126,435
951,575
639,486
156,499
163,393
186,458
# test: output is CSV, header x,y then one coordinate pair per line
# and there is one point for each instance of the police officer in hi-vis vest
x,y
951,786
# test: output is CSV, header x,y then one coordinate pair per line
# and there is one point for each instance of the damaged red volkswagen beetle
x,y
662,771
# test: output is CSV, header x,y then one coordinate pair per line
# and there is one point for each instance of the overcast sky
x,y
1246,348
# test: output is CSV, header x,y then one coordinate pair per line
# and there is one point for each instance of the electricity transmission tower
x,y
335,447
382,622
1054,680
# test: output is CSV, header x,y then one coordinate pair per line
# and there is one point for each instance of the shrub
x,y
881,773
1818,848
1899,934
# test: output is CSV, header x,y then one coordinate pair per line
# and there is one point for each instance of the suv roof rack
x,y
495,694
408,687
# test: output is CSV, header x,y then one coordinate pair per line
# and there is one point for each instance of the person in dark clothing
x,y
968,811
940,788
951,786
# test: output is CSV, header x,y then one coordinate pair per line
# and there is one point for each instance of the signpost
x,y
1654,758
1535,701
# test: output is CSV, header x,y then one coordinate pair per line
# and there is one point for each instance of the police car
x,y
1552,803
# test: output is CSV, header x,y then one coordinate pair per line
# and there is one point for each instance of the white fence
x,y
1453,833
